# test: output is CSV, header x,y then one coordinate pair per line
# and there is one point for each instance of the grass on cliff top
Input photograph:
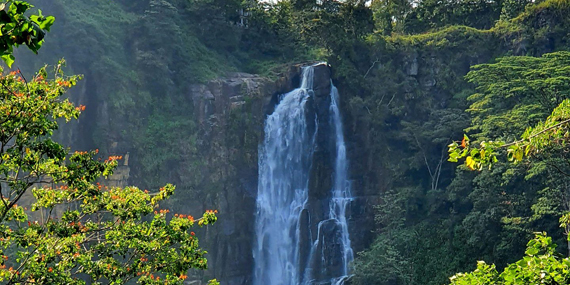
x,y
446,37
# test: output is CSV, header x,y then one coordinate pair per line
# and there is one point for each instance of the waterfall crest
x,y
283,195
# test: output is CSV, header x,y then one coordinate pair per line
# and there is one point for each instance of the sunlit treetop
x,y
516,92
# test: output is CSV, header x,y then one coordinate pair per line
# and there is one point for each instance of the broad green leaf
x,y
8,59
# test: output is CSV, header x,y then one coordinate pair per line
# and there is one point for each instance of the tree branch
x,y
539,133
372,66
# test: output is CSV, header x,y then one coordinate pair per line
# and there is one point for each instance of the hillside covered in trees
x,y
454,113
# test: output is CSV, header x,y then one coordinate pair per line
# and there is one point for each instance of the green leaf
x,y
8,59
47,23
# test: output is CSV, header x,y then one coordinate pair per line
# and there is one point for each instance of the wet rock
x,y
411,65
329,244
428,82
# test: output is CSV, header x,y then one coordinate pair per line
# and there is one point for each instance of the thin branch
x,y
539,133
558,169
372,66
394,95
367,109
13,202
425,157
2,196
381,99
25,80
440,166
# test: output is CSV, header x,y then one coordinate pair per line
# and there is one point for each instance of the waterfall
x,y
284,167
341,192
285,159
332,233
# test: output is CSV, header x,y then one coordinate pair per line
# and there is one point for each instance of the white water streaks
x,y
341,192
284,169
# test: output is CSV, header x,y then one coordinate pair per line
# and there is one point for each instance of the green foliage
x,y
271,36
430,14
384,263
484,274
515,92
415,17
165,140
104,235
541,265
484,215
18,29
513,8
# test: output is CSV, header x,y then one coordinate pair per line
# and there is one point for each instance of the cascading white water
x,y
332,234
284,167
341,192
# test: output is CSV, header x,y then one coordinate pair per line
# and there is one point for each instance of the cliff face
x,y
230,114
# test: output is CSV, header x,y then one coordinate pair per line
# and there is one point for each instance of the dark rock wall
x,y
230,113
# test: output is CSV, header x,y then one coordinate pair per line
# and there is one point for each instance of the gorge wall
x,y
231,114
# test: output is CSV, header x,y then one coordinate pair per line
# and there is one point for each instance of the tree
x,y
516,92
512,8
390,15
58,224
419,16
18,29
541,265
100,232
